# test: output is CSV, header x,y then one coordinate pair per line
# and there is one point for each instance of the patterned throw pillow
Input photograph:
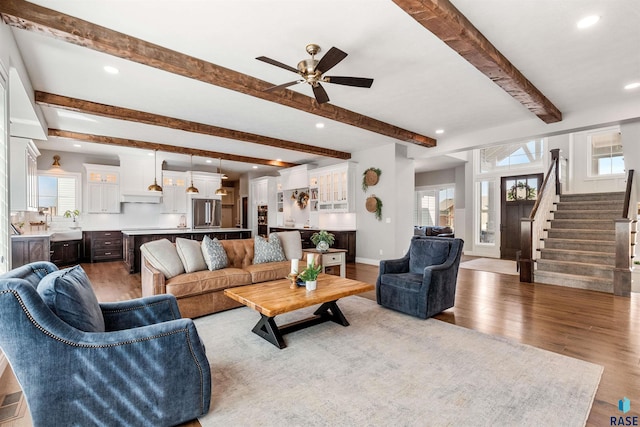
x,y
214,253
268,250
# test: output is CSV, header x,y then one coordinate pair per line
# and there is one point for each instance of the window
x,y
434,206
512,156
487,212
60,191
522,188
606,153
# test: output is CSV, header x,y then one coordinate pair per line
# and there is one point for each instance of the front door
x,y
518,195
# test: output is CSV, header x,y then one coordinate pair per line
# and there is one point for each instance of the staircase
x,y
579,250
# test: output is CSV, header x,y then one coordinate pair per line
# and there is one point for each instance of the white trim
x,y
589,153
369,261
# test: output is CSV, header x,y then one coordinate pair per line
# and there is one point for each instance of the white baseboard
x,y
369,261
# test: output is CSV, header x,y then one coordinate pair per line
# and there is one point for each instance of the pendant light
x,y
191,189
154,186
221,191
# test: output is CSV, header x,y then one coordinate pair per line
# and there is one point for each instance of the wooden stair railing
x,y
626,232
532,228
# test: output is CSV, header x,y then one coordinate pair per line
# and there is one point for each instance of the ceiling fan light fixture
x,y
588,21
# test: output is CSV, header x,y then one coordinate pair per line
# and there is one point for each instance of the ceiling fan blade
x,y
276,63
320,94
330,59
349,81
282,86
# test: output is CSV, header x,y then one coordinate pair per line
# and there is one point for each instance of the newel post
x,y
622,271
526,258
555,158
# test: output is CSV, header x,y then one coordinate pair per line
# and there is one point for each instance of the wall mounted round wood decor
x,y
374,205
370,177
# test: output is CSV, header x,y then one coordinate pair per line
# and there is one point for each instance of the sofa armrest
x,y
139,312
153,281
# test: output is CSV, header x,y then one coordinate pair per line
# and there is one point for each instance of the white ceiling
x,y
419,83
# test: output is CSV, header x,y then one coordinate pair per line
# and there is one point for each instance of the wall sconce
x,y
56,161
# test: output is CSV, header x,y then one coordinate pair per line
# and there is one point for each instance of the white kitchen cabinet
x,y
263,192
24,175
260,191
103,189
335,187
174,192
206,183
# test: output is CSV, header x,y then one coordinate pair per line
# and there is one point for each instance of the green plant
x,y
378,208
365,184
310,273
72,213
323,236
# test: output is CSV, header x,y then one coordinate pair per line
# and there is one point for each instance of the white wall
x,y
389,238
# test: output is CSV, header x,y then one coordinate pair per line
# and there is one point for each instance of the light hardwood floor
x,y
592,326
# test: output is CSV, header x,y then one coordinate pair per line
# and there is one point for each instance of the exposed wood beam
x,y
83,106
447,23
31,17
123,142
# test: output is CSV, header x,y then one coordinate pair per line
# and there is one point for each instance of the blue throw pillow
x,y
214,254
268,250
68,293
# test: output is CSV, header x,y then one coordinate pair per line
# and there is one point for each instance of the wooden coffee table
x,y
273,298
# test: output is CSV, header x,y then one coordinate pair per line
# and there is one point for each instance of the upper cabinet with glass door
x,y
103,189
335,187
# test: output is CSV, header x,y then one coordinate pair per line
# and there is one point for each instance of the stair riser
x,y
590,197
579,257
557,233
579,246
590,206
588,225
577,269
581,214
546,278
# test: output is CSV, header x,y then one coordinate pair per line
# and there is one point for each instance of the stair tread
x,y
579,252
583,241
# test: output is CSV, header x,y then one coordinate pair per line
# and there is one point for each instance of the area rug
x,y
386,369
492,265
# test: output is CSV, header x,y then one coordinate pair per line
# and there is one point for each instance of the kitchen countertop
x,y
314,228
145,231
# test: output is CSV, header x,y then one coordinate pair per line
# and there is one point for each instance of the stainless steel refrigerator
x,y
206,213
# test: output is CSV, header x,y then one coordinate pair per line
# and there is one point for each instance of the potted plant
x,y
323,240
310,276
72,213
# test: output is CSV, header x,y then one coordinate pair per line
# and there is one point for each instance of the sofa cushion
x,y
200,282
291,242
267,250
163,256
239,252
268,271
214,254
426,252
68,293
190,253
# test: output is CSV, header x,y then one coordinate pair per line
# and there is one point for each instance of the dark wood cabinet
x,y
102,245
29,249
343,240
65,253
132,242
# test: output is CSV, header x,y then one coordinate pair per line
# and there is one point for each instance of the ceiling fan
x,y
311,71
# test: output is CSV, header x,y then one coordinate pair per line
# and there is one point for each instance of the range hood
x,y
141,197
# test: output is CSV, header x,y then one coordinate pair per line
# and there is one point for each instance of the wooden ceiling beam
x,y
132,143
88,107
448,24
31,17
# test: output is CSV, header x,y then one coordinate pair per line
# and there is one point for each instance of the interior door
x,y
518,195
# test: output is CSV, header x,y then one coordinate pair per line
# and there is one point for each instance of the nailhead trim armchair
x,y
148,368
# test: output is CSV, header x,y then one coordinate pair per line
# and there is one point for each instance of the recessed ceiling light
x,y
278,160
319,125
208,161
150,154
633,85
439,131
111,70
588,21
255,167
77,145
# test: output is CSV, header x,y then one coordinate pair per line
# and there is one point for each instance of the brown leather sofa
x,y
202,292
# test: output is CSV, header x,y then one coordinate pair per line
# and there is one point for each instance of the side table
x,y
330,258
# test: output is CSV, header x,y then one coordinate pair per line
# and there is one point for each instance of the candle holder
x,y
293,277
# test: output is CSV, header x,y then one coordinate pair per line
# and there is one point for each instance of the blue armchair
x,y
148,367
423,282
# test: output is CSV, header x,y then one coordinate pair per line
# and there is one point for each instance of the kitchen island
x,y
134,238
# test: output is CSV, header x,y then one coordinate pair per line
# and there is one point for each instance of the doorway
x,y
518,196
245,212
